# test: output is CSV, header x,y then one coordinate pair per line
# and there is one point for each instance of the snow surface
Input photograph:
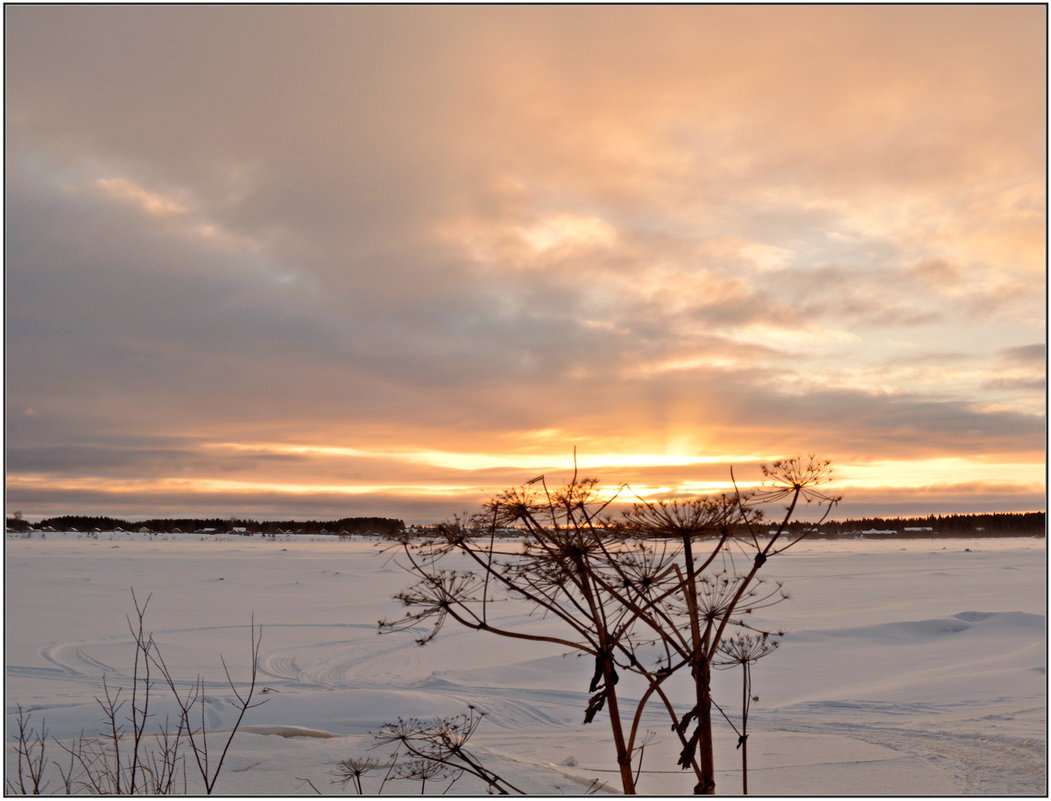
x,y
908,667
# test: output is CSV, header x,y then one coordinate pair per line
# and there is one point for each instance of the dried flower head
x,y
787,477
744,649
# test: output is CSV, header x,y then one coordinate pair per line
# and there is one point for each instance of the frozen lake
x,y
909,667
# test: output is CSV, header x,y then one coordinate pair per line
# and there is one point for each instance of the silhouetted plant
x,y
125,758
744,650
555,568
426,770
31,753
352,771
443,742
652,593
696,612
429,751
425,751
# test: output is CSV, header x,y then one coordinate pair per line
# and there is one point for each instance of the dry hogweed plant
x,y
651,593
426,751
744,650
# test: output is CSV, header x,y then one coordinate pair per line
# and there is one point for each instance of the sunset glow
x,y
458,247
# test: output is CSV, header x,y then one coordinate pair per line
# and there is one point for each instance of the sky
x,y
327,261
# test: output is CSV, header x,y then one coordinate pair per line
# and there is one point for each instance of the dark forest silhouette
x,y
998,524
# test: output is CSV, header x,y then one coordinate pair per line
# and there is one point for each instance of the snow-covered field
x,y
909,667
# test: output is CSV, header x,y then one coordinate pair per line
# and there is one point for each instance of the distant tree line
x,y
997,524
386,526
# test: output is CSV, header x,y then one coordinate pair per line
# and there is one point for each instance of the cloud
x,y
936,272
151,202
249,505
1024,384
433,228
1029,355
944,500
